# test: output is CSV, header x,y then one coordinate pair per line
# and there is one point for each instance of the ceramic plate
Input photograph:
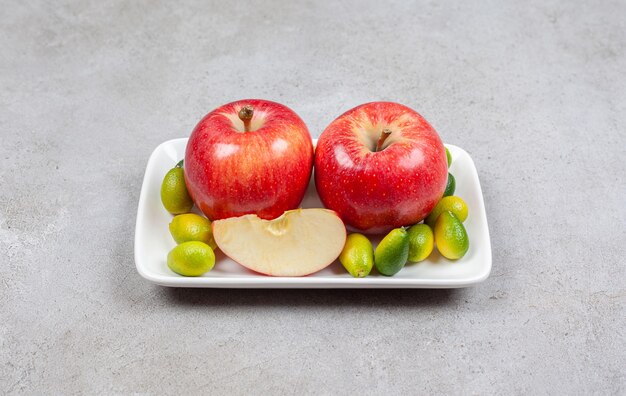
x,y
153,241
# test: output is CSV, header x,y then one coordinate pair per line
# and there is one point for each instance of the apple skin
x,y
375,192
264,171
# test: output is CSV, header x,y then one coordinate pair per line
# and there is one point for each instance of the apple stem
x,y
381,140
245,115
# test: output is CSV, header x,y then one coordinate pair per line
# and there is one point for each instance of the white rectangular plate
x,y
153,241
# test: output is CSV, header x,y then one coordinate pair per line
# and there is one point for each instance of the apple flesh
x,y
380,166
298,243
248,157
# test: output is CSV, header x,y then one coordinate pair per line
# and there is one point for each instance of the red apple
x,y
248,157
380,166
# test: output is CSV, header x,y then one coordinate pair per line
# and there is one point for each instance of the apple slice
x,y
299,242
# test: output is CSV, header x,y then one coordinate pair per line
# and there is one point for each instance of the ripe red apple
x,y
248,157
380,166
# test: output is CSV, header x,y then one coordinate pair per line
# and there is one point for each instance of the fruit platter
x,y
250,200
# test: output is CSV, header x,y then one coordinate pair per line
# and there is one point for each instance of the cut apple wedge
x,y
299,242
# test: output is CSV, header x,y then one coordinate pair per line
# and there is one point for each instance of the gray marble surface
x,y
534,91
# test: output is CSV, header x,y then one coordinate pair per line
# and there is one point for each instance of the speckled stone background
x,y
534,91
